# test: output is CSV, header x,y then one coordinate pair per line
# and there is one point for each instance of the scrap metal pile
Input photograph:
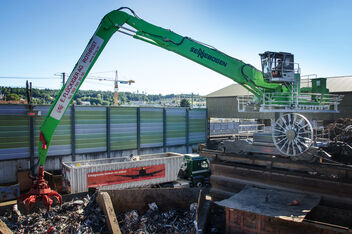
x,y
341,130
76,216
340,146
156,221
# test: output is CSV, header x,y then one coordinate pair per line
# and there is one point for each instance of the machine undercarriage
x,y
295,139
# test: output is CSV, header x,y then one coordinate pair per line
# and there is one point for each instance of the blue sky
x,y
40,38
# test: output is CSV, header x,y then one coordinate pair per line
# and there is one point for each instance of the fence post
x,y
31,144
108,131
138,130
207,125
187,130
164,129
73,133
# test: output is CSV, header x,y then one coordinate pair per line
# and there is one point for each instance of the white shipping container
x,y
122,172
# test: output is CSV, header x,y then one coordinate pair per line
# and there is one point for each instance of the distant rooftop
x,y
229,91
336,84
339,84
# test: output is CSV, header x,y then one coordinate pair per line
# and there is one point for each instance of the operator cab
x,y
278,66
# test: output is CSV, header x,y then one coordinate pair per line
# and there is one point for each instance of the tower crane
x,y
116,87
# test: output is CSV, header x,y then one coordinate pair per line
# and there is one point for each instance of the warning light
x,y
34,113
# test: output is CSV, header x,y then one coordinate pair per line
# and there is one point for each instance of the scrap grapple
x,y
40,192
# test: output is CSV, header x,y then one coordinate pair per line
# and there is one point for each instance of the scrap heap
x,y
341,130
340,146
76,216
156,221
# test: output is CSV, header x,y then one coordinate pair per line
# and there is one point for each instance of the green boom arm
x,y
242,73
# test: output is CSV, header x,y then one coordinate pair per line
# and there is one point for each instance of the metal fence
x,y
100,129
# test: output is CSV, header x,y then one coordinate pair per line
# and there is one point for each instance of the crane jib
x,y
202,54
76,77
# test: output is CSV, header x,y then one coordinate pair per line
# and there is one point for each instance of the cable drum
x,y
292,134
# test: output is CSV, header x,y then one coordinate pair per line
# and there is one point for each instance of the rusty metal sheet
x,y
9,192
272,203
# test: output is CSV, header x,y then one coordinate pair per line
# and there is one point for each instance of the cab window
x,y
204,164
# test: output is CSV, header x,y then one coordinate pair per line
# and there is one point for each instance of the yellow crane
x,y
116,89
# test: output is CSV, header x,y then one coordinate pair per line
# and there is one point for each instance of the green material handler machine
x,y
276,88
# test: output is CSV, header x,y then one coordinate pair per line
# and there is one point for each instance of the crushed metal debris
x,y
341,130
340,147
76,216
156,221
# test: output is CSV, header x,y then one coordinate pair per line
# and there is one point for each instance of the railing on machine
x,y
322,135
277,102
303,102
246,103
306,80
228,127
250,129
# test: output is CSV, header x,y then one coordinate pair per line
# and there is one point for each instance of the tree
x,y
79,101
47,96
122,99
13,97
105,103
95,101
185,103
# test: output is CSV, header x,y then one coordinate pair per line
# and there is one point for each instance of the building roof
x,y
339,84
336,84
229,91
